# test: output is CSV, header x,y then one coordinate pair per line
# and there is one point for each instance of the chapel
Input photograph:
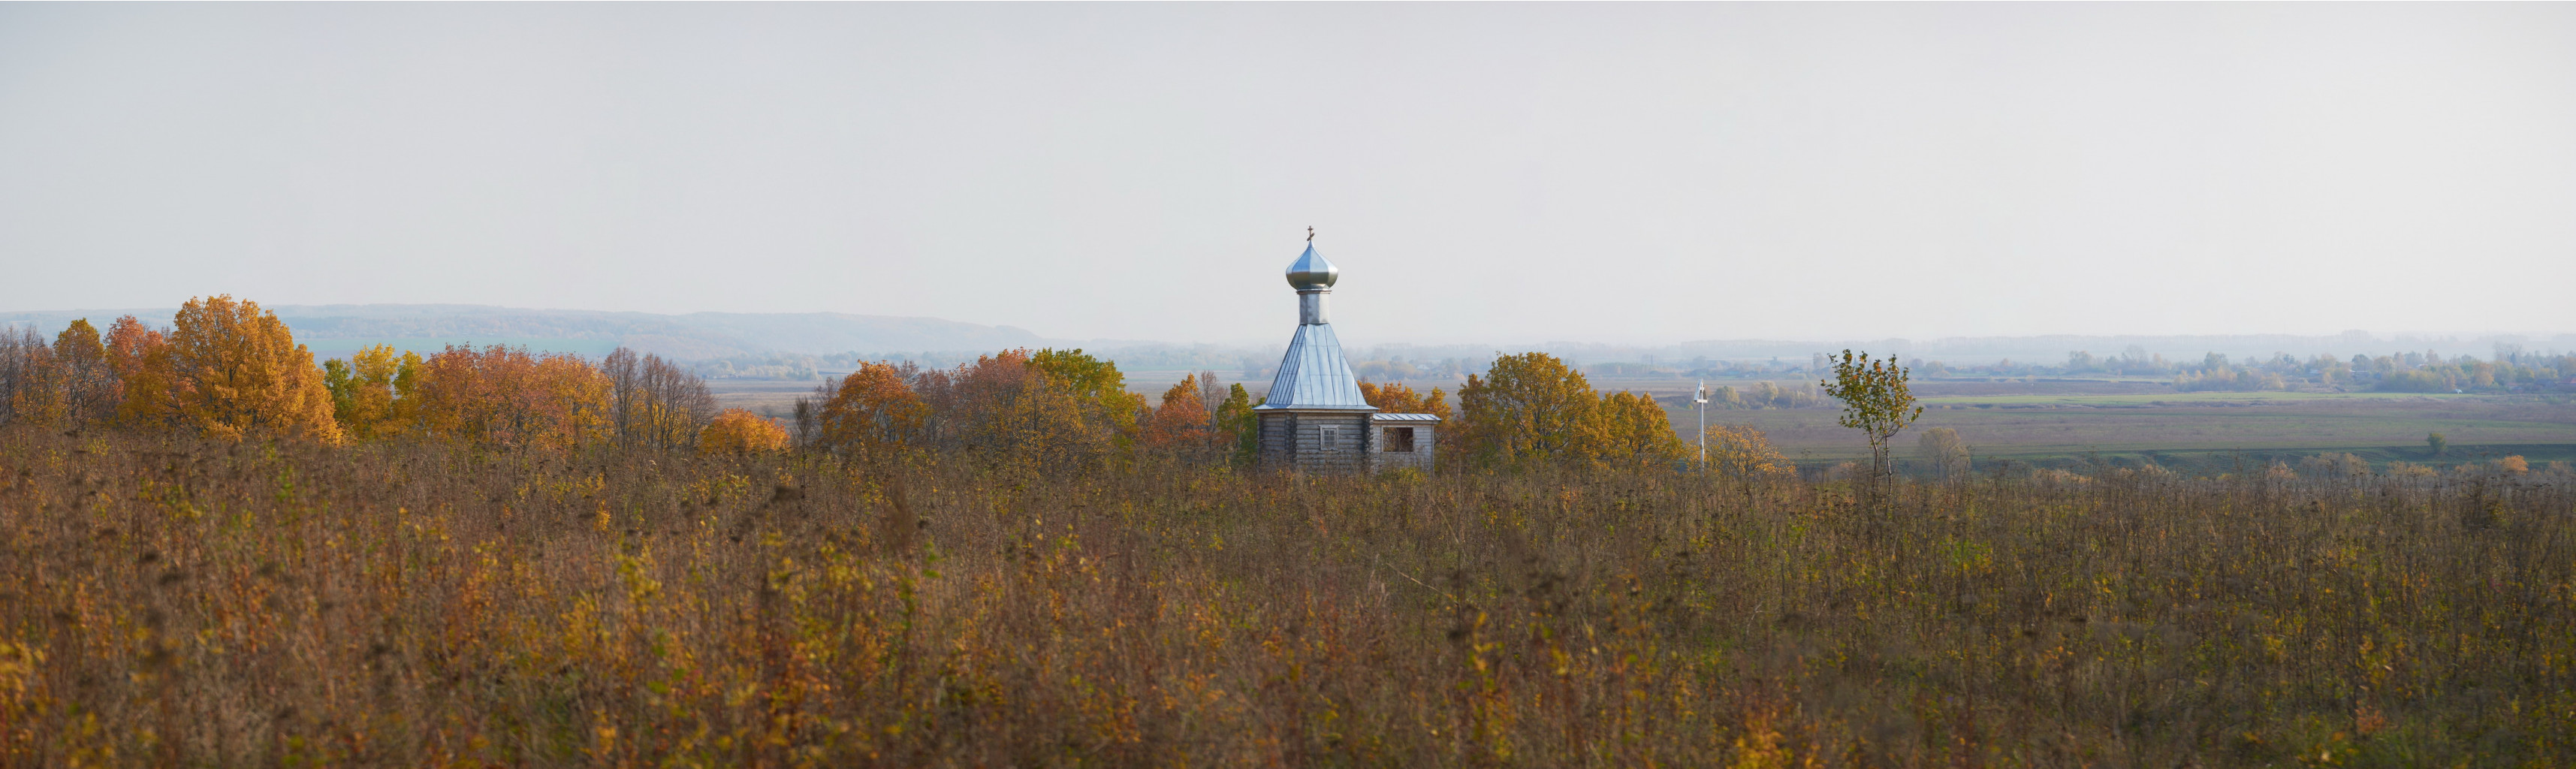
x,y
1314,419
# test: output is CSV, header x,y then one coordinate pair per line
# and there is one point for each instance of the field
x,y
168,602
2078,422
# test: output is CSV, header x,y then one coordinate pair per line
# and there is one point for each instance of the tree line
x,y
225,369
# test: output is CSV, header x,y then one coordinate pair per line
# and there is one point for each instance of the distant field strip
x,y
2058,425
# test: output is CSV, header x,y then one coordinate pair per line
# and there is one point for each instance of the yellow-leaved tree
x,y
237,373
1634,430
1528,409
370,392
736,431
1745,454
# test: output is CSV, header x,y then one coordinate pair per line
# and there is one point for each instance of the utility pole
x,y
1700,397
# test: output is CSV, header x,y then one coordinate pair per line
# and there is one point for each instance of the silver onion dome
x,y
1312,271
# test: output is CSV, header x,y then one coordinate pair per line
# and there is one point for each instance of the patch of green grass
x,y
2182,399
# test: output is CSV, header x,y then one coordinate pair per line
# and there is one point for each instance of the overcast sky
x,y
1482,173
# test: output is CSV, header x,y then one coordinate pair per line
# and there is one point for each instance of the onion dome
x,y
1311,271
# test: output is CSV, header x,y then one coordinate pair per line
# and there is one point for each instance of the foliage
x,y
873,414
2413,382
1399,398
736,431
1633,429
236,373
1876,401
1241,426
371,391
1531,410
89,389
147,381
1745,455
2335,465
1762,395
1096,387
1189,423
171,602
1526,410
2437,443
508,397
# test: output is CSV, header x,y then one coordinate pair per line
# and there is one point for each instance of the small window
x,y
1399,440
1332,439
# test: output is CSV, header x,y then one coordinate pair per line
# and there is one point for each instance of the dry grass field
x,y
177,603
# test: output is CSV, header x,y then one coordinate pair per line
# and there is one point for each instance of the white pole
x,y
1700,397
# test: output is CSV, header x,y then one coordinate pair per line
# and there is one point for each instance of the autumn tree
x,y
147,375
1634,430
1096,387
88,385
371,391
873,414
1745,454
1527,409
1185,422
240,374
506,396
736,431
1397,398
1238,426
1876,401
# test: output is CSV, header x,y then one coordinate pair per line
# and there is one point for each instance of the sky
x,y
1481,173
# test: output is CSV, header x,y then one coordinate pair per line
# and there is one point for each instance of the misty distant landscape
x,y
851,384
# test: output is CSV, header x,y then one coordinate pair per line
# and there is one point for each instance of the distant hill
x,y
339,328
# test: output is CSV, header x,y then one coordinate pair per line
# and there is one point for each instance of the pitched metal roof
x,y
1314,375
1404,417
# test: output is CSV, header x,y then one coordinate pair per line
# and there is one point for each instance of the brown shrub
x,y
185,603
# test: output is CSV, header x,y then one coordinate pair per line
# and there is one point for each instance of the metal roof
x,y
1404,417
1314,375
1312,270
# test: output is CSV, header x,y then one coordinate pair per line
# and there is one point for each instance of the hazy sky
x,y
1481,172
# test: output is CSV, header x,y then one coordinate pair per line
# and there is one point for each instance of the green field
x,y
2123,420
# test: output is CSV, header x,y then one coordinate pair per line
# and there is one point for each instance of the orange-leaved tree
x,y
239,374
507,396
874,414
737,431
147,375
1398,398
1184,422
